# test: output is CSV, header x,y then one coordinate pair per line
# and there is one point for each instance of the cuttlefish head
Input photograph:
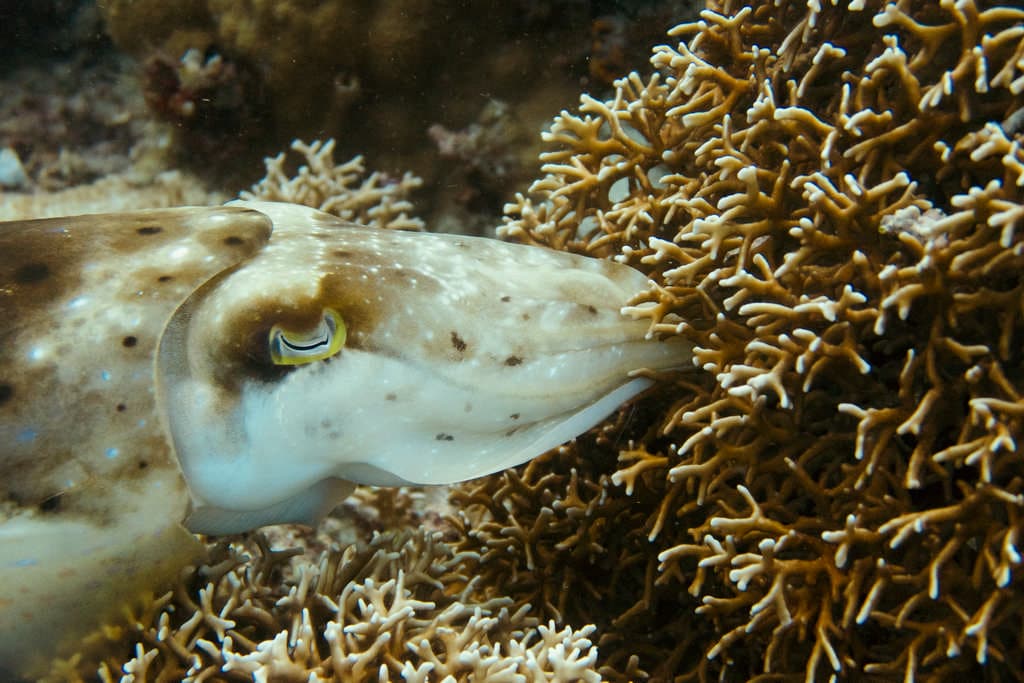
x,y
346,354
217,369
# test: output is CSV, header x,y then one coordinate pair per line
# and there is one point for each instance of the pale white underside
x,y
371,420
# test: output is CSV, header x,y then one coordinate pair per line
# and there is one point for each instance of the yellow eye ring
x,y
299,348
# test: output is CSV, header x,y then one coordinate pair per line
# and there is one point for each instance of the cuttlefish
x,y
211,370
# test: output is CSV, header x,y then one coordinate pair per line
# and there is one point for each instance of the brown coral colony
x,y
829,203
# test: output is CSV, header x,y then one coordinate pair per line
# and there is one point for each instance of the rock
x,y
12,173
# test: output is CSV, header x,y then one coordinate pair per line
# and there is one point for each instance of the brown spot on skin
x,y
525,316
50,504
390,397
591,309
129,341
444,437
6,392
233,240
514,416
341,253
121,407
143,464
31,273
149,230
458,342
506,298
512,361
165,278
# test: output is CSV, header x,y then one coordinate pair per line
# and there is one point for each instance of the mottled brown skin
x,y
83,449
44,261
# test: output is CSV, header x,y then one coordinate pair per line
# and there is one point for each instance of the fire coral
x,y
828,199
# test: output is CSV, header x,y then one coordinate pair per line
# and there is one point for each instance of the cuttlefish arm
x,y
214,370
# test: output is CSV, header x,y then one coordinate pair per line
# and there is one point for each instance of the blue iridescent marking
x,y
27,562
27,435
105,374
113,452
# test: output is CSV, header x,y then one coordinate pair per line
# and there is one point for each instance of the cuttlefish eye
x,y
297,348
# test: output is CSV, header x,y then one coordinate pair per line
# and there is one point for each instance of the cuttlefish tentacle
x,y
190,369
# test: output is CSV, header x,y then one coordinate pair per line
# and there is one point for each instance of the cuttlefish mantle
x,y
212,370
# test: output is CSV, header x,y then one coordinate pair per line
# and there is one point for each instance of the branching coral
x,y
344,190
394,609
829,202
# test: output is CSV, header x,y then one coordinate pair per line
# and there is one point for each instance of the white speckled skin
x,y
137,393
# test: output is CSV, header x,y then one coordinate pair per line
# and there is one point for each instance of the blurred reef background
x,y
451,91
828,199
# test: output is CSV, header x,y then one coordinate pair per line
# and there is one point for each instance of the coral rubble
x,y
828,198
64,135
75,134
114,192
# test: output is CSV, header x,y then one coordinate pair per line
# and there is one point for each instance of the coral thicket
x,y
828,199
